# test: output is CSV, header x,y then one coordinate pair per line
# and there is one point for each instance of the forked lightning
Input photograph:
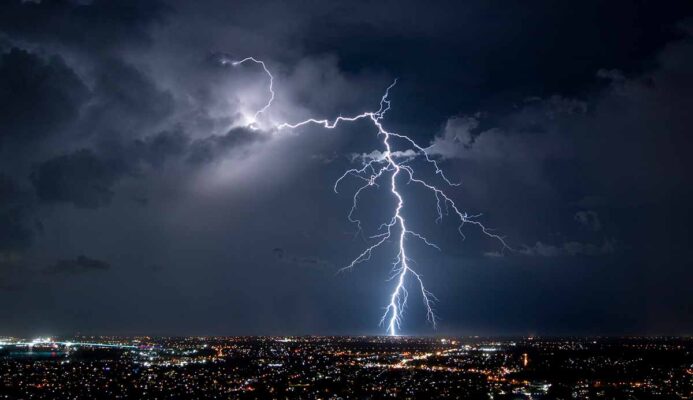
x,y
393,166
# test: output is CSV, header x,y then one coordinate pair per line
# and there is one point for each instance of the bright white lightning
x,y
267,105
371,173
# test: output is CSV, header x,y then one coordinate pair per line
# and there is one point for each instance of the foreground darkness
x,y
347,367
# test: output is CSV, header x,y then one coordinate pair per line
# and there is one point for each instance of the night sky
x,y
134,199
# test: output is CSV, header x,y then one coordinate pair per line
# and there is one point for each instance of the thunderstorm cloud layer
x,y
138,184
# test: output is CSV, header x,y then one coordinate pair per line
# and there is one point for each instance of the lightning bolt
x,y
392,165
225,61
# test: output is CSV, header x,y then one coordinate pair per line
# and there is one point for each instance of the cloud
x,y
157,149
79,265
109,24
590,219
378,155
125,101
210,148
611,74
126,104
38,97
80,178
86,178
526,134
571,248
457,135
592,143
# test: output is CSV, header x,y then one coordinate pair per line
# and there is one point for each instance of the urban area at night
x,y
346,368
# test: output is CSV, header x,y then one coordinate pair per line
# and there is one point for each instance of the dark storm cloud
x,y
175,145
125,102
80,178
156,149
98,25
81,264
86,178
620,146
38,97
485,55
122,134
215,146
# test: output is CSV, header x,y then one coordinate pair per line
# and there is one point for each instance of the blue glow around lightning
x,y
392,164
225,61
